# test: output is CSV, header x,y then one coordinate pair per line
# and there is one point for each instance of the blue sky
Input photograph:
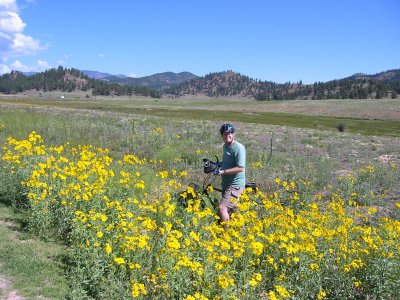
x,y
280,40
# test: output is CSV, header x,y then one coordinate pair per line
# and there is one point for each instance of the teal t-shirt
x,y
234,156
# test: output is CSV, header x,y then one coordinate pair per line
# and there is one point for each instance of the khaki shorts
x,y
228,194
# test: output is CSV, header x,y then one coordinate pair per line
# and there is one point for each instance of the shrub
x,y
341,127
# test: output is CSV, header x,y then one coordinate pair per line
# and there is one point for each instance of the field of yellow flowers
x,y
129,236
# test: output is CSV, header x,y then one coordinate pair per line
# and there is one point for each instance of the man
x,y
232,172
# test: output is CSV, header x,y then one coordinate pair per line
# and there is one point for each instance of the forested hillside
x,y
221,84
229,83
67,80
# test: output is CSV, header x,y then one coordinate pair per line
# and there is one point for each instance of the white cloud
x,y
4,69
11,22
17,65
25,45
101,55
132,75
13,42
9,5
43,65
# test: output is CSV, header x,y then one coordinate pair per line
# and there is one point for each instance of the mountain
x,y
29,73
159,81
95,74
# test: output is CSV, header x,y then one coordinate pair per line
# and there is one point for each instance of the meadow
x,y
104,178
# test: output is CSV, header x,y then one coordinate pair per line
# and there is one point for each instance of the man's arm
x,y
232,171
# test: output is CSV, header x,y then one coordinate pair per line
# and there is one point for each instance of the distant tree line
x,y
68,80
228,83
221,84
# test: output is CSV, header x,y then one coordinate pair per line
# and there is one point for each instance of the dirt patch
x,y
386,158
6,291
13,235
343,172
6,223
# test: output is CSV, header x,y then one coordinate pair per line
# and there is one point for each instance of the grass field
x,y
372,117
336,192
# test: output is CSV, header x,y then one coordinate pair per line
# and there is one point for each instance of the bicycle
x,y
202,192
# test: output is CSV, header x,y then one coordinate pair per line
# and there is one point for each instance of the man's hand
x,y
217,171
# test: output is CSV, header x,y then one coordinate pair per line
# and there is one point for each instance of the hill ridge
x,y
219,84
230,83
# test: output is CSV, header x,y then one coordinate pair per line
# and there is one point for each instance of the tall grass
x,y
33,267
296,153
245,111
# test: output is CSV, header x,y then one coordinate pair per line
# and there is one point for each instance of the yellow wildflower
x,y
108,248
138,289
119,260
321,294
282,291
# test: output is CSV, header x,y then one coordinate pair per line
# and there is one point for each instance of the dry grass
x,y
381,109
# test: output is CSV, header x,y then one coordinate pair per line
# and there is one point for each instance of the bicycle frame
x,y
208,180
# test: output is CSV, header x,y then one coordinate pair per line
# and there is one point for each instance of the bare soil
x,y
6,290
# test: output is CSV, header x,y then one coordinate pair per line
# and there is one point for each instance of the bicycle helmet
x,y
227,128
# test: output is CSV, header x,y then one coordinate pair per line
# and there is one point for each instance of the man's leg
x,y
226,204
223,212
223,215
